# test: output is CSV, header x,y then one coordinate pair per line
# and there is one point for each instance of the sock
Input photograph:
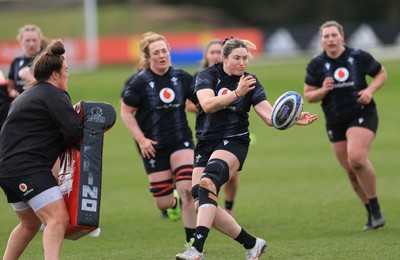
x,y
245,239
190,233
374,205
228,205
200,237
368,208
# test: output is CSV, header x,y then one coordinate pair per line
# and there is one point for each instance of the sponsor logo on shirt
x,y
341,74
167,95
223,91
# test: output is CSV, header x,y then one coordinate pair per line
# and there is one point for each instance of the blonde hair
x,y
29,28
148,38
329,24
232,43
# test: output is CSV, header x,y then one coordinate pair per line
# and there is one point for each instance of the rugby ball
x,y
287,110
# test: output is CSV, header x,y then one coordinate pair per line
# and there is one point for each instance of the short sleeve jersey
x,y
16,65
160,103
349,71
233,120
127,81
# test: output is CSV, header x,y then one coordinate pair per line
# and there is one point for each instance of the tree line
x,y
289,12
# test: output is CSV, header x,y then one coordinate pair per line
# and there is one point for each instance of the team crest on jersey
x,y
341,74
350,60
167,95
223,91
174,80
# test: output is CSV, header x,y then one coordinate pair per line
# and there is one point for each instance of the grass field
x,y
292,192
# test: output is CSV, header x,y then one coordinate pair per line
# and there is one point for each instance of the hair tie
x,y
227,39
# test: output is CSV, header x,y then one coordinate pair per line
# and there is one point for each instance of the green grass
x,y
113,19
292,191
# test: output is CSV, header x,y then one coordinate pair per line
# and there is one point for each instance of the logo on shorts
x,y
198,157
152,163
167,95
341,74
22,187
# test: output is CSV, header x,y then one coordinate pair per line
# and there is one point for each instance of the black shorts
x,y
238,145
367,118
161,161
23,188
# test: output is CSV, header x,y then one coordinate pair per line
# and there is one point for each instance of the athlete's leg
x,y
206,212
162,187
22,234
222,221
182,165
54,216
359,142
230,190
340,149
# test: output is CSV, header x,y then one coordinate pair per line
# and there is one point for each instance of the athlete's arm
x,y
315,94
211,103
365,95
190,106
264,110
145,144
11,89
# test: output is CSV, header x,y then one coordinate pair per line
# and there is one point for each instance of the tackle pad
x,y
81,169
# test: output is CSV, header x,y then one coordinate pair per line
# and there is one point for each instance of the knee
x,y
356,161
185,195
208,184
216,173
61,220
32,225
64,221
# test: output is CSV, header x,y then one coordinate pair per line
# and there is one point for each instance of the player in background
x,y
223,142
31,40
4,99
337,79
164,213
40,124
153,110
213,54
